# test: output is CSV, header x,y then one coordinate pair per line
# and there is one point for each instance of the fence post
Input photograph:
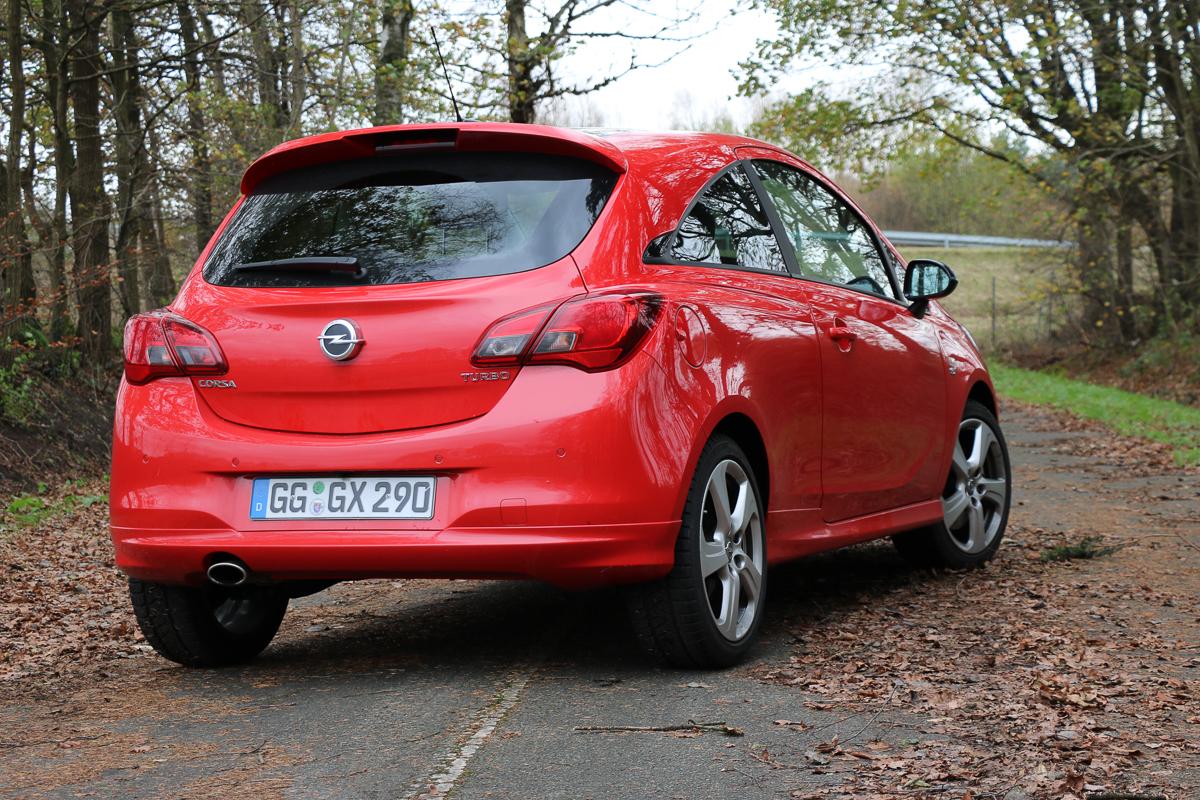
x,y
993,313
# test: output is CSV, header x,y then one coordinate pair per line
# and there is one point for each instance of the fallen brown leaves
x,y
1026,679
1032,680
63,605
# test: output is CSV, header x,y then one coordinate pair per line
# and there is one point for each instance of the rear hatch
x,y
416,255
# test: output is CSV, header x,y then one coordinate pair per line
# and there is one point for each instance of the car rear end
x,y
387,363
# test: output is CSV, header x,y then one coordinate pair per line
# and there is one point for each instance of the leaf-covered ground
x,y
1034,677
63,606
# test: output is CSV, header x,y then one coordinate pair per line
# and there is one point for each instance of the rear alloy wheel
x,y
207,626
707,612
975,501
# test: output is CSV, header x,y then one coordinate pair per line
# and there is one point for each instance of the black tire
x,y
207,626
937,545
672,616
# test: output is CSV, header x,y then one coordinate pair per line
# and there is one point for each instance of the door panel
x,y
883,379
883,405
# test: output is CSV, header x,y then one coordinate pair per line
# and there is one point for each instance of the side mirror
x,y
658,251
926,280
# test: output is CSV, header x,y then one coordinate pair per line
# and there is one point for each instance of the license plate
x,y
375,497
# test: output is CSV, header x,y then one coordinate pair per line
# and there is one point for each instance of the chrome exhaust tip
x,y
228,573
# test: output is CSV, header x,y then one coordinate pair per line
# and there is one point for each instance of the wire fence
x,y
1011,296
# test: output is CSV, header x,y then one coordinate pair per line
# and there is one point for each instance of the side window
x,y
728,225
831,241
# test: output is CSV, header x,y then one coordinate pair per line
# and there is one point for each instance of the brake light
x,y
506,342
159,344
598,332
591,333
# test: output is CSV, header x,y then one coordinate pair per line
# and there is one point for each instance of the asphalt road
x,y
476,689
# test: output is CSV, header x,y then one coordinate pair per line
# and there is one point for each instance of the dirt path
x,y
1026,679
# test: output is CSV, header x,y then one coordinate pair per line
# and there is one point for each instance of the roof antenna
x,y
442,61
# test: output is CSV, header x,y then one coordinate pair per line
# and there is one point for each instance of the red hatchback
x,y
589,358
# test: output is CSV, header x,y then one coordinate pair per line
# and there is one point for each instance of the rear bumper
x,y
569,557
573,478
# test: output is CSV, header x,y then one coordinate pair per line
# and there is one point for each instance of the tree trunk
x,y
200,189
89,204
1180,274
521,89
20,292
156,267
55,35
1094,268
160,283
128,152
299,70
212,54
390,71
255,16
1125,301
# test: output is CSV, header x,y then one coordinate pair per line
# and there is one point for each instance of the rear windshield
x,y
407,219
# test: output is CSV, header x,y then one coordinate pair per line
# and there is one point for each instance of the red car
x,y
513,351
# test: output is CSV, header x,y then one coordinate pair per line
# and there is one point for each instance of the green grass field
x,y
1125,412
1024,279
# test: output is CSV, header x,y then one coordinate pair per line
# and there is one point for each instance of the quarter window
x,y
728,225
831,241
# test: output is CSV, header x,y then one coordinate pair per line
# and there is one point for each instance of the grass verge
x,y
1125,412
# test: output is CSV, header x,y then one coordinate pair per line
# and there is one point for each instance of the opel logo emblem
x,y
341,340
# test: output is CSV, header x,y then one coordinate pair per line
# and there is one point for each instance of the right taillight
x,y
160,344
592,333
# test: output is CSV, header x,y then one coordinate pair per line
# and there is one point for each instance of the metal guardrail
x,y
948,240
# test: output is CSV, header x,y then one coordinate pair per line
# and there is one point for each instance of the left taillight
x,y
160,344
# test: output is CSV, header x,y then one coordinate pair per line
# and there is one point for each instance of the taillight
x,y
506,342
591,333
159,344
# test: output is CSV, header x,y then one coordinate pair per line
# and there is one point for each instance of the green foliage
x,y
1180,352
31,362
1087,547
18,395
30,510
849,132
1125,412
939,186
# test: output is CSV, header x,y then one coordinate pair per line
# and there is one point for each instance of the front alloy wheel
x,y
975,501
707,611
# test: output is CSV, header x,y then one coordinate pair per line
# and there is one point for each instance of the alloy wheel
x,y
731,551
976,495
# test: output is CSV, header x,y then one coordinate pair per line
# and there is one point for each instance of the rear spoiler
x,y
463,137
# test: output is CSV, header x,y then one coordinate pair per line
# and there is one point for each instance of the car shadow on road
x,y
473,625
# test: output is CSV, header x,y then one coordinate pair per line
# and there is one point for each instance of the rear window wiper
x,y
347,264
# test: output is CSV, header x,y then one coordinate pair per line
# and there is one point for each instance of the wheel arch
x,y
745,432
982,392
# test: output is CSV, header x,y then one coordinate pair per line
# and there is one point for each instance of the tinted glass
x,y
410,219
831,241
728,226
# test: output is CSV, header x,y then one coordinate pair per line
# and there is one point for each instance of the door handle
x,y
840,333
